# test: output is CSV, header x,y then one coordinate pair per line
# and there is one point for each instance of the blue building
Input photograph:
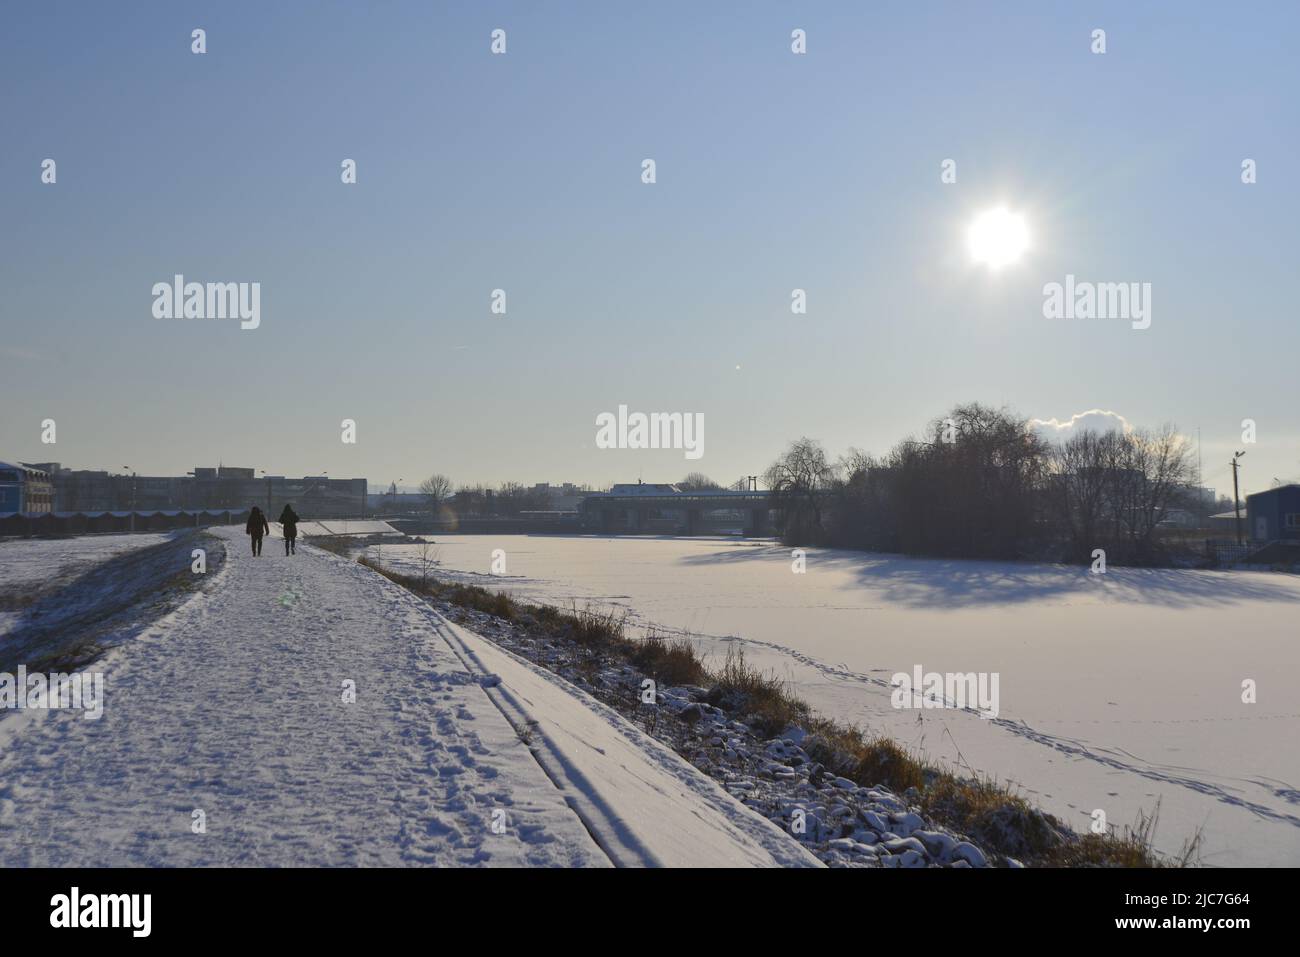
x,y
25,489
1274,515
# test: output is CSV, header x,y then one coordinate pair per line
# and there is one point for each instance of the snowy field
x,y
1116,691
34,561
29,565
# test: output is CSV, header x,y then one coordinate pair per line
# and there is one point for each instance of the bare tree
x,y
1163,466
853,461
429,555
436,490
1112,490
697,482
863,504
514,497
799,481
1081,487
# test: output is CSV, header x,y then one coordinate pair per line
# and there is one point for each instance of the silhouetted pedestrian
x,y
256,527
289,522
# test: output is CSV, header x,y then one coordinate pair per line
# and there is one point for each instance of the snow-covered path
x,y
234,705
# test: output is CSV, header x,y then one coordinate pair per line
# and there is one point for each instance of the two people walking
x,y
257,526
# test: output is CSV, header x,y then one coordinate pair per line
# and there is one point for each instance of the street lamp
x,y
193,496
132,497
1236,502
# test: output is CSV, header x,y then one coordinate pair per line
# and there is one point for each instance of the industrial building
x,y
1274,515
25,488
47,486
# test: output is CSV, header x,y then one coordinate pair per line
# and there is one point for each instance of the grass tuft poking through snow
x,y
673,661
739,686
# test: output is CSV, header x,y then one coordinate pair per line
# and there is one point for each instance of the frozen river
x,y
1115,691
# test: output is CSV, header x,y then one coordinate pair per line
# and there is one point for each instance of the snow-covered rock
x,y
939,844
905,824
971,854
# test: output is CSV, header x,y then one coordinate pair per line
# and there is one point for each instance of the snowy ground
x,y
92,606
26,561
233,705
1116,691
32,565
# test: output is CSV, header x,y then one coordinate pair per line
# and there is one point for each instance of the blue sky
x,y
522,172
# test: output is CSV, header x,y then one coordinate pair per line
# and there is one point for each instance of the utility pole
x,y
1236,502
1200,482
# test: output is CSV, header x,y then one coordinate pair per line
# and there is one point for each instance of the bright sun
x,y
998,237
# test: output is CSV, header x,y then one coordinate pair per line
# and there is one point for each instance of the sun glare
x,y
998,238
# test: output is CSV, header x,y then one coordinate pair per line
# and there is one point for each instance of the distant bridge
x,y
642,511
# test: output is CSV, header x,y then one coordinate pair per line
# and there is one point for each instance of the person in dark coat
x,y
256,527
289,522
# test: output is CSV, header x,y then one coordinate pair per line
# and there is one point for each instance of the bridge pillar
x,y
607,519
757,522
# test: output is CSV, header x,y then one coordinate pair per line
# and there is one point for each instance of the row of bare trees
x,y
981,483
508,499
1113,489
